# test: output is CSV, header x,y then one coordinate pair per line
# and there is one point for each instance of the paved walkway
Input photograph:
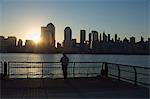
x,y
70,88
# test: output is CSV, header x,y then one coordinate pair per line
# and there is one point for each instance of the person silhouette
x,y
64,62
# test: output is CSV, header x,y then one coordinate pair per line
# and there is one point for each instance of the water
x,y
53,70
137,60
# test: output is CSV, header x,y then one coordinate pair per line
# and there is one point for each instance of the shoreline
x,y
79,53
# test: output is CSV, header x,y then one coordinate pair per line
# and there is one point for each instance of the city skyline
x,y
97,43
126,18
48,34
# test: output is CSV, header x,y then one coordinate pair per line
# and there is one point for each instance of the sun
x,y
36,37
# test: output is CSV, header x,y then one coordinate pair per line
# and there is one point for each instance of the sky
x,y
24,18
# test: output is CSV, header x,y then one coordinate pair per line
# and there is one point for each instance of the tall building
x,y
149,39
125,41
20,43
100,37
67,38
11,41
2,44
82,36
116,38
104,37
94,39
1,40
132,40
58,45
108,37
29,43
74,42
95,36
67,34
48,35
90,40
142,39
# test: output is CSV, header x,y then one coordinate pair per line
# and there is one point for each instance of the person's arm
x,y
67,59
61,60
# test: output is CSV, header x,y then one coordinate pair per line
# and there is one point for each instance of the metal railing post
x,y
73,69
135,76
42,70
106,69
118,72
2,67
5,69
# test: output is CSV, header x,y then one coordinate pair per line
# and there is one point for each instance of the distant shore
x,y
79,53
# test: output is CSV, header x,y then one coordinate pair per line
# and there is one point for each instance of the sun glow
x,y
36,37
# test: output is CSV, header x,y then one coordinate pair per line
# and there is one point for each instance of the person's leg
x,y
65,72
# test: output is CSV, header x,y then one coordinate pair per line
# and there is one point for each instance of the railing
x,y
52,69
1,67
133,74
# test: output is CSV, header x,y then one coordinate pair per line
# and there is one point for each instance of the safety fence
x,y
133,74
1,67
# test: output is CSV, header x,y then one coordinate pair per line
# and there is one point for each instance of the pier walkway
x,y
70,88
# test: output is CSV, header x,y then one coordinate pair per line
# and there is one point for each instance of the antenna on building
x,y
104,31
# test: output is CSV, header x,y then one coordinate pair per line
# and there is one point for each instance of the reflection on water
x,y
54,70
139,60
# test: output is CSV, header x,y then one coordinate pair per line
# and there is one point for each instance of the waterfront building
x,y
58,45
94,39
94,36
116,39
82,36
100,38
104,37
90,40
142,39
132,40
19,43
67,34
11,41
108,37
125,41
48,35
74,42
2,44
67,38
29,44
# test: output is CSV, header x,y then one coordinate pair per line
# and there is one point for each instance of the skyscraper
x,y
11,41
82,36
104,37
20,43
90,40
94,39
67,34
108,37
132,40
95,35
142,39
48,35
116,39
67,38
100,38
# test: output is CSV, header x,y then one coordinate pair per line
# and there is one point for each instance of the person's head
x,y
64,54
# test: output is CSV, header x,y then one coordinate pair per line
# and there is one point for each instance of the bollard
x,y
5,69
106,69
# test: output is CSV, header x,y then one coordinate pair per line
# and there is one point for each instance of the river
x,y
136,60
